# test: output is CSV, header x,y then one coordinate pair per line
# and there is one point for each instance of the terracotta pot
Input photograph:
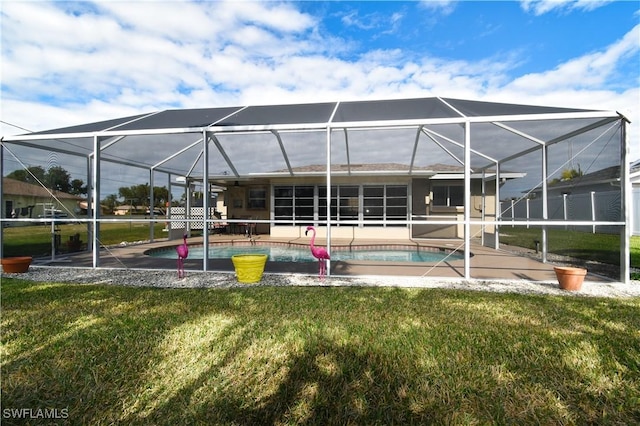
x,y
570,278
16,265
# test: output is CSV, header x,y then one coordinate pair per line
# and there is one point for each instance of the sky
x,y
69,63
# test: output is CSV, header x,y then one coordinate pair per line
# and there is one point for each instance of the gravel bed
x,y
169,279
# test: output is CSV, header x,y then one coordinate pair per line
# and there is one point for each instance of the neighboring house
x,y
592,196
84,207
634,177
24,200
602,180
125,210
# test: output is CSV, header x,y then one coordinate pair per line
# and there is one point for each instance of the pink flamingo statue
x,y
318,252
183,253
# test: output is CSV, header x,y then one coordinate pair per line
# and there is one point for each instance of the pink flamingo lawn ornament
x,y
183,253
318,252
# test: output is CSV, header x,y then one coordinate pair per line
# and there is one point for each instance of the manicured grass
x,y
36,240
266,355
583,245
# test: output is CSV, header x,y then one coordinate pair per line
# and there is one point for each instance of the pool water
x,y
293,254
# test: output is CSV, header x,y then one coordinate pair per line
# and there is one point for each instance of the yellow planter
x,y
249,267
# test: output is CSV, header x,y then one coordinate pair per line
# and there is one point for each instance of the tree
x,y
78,187
55,178
139,195
568,174
31,175
58,178
110,201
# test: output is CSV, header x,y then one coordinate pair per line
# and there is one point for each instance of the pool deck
x,y
486,263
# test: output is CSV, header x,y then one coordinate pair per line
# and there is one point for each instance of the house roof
x,y
19,188
606,175
449,171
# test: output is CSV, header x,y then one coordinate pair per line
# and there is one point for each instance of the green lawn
x,y
583,245
36,240
286,355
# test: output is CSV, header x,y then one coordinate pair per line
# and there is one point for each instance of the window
x,y
373,201
348,202
283,202
396,202
303,205
448,195
294,203
385,202
257,198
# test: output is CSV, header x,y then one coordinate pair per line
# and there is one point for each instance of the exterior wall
x,y
344,232
236,203
424,209
420,208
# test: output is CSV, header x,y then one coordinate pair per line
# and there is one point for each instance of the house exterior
x,y
390,202
23,200
126,210
589,196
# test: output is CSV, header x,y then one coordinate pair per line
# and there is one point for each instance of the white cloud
x,y
589,71
540,7
445,7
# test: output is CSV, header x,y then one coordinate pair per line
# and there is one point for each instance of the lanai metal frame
x,y
484,138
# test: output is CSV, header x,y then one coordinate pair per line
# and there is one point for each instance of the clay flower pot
x,y
570,278
15,265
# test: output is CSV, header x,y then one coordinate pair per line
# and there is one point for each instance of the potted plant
x,y
74,243
569,277
16,265
249,267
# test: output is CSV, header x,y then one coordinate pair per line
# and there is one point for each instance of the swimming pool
x,y
302,253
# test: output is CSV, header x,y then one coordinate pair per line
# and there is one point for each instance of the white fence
x,y
593,206
196,219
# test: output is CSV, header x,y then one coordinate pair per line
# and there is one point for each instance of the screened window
x,y
396,202
348,202
283,202
448,195
294,203
322,203
303,204
385,202
257,198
